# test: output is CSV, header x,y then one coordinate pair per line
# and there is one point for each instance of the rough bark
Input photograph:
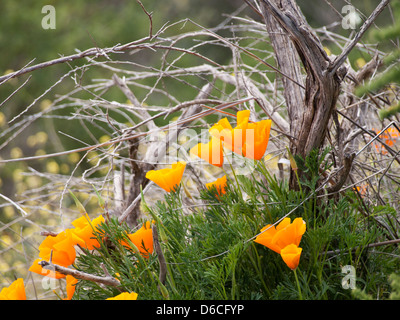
x,y
310,109
289,63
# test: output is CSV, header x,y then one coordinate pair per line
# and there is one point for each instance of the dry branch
x,y
371,19
107,280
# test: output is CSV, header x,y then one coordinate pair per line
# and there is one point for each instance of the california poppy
x,y
249,139
233,138
362,189
15,291
389,136
291,255
256,139
211,152
60,249
142,239
70,287
284,239
285,233
84,231
219,184
125,296
168,178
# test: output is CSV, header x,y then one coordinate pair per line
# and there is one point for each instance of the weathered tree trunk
x,y
310,98
309,107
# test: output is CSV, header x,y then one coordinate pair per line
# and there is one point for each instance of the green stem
x,y
298,181
234,175
257,266
301,193
298,284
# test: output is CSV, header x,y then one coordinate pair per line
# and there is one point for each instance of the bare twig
x,y
48,233
250,54
11,75
132,205
96,52
107,280
130,137
87,53
371,245
348,160
342,57
132,98
150,16
15,91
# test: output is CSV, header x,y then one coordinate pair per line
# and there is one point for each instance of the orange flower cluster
x,y
15,291
61,248
247,139
390,137
362,189
284,239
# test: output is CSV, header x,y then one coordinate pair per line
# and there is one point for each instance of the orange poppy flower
x,y
389,136
61,250
210,152
168,178
142,239
362,189
60,247
125,296
15,291
219,184
256,140
285,233
284,239
247,139
233,138
84,231
71,282
291,255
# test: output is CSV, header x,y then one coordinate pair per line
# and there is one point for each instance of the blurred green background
x,y
82,25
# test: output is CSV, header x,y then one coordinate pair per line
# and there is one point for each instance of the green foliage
x,y
395,284
394,295
210,252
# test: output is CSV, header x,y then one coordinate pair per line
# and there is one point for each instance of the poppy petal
x,y
168,178
291,255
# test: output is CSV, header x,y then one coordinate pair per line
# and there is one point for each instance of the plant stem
x,y
298,284
257,266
